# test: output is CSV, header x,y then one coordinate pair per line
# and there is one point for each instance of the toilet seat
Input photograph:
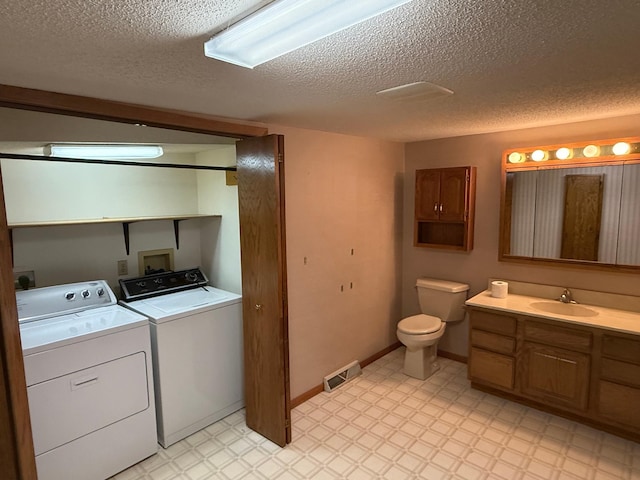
x,y
419,324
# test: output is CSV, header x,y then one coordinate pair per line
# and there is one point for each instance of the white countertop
x,y
608,318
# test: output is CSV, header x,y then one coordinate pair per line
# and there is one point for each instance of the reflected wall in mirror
x,y
580,213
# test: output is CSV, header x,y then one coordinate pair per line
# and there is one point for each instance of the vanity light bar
x,y
611,149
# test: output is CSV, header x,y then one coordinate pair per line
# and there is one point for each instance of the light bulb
x,y
563,153
621,148
591,151
539,155
516,157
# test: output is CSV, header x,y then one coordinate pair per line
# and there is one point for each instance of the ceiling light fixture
x,y
103,151
286,25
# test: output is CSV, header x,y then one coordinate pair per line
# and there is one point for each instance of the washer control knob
x,y
70,296
192,276
86,294
100,291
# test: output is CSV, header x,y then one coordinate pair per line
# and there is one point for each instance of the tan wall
x,y
342,193
474,268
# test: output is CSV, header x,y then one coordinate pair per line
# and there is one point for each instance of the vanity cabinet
x,y
445,207
618,381
492,349
587,373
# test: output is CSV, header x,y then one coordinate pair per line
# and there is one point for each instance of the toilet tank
x,y
442,298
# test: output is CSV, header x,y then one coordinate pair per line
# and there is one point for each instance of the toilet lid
x,y
419,324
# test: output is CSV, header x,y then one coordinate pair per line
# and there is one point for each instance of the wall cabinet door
x,y
444,208
453,194
555,376
428,194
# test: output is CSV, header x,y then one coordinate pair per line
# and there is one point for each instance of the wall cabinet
x,y
445,208
584,372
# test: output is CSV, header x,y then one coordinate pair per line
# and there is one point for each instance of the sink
x,y
569,309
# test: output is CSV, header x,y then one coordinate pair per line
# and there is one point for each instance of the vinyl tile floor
x,y
385,425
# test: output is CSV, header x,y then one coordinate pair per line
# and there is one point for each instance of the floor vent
x,y
342,376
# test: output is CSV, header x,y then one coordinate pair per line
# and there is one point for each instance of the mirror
x,y
583,215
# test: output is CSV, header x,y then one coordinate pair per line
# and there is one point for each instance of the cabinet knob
x,y
435,207
440,208
258,306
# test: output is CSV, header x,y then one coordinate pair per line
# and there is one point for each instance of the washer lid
x,y
419,324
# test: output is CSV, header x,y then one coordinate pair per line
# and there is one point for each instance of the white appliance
x,y
89,381
196,339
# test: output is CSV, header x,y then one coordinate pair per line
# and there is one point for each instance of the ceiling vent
x,y
415,92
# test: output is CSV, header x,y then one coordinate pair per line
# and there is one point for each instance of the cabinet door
x,y
491,368
453,194
619,403
557,377
427,194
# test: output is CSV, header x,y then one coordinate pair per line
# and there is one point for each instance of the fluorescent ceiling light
x,y
105,152
286,25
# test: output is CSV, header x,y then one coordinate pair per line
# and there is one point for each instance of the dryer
x,y
89,381
196,340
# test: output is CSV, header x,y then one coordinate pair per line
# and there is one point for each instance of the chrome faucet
x,y
566,297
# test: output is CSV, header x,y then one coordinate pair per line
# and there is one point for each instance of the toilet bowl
x,y
441,301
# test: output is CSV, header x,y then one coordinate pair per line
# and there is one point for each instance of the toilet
x,y
441,301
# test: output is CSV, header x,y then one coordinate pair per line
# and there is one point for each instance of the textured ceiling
x,y
511,63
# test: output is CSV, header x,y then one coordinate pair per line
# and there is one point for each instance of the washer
x,y
196,340
89,381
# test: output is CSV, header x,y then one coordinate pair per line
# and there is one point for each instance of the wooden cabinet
x,y
618,381
580,371
492,349
445,208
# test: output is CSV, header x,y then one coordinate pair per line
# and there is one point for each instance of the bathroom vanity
x,y
579,361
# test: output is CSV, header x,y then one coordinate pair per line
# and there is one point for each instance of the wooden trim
x,y
380,354
16,445
309,394
78,106
453,356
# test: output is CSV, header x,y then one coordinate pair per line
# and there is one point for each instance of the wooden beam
x,y
87,107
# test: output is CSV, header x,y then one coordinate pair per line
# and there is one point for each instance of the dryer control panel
x,y
161,283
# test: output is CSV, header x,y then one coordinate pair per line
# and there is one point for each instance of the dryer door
x,y
68,407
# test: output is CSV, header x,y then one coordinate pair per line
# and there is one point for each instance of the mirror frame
x,y
17,458
505,202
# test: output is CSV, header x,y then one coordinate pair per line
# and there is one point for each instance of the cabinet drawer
x,y
621,348
493,341
619,403
489,367
620,371
493,322
558,336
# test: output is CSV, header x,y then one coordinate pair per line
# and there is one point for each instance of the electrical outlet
x,y
123,267
25,273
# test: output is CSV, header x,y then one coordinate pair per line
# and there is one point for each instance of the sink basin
x,y
570,309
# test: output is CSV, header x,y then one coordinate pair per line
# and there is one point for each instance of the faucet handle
x,y
567,297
